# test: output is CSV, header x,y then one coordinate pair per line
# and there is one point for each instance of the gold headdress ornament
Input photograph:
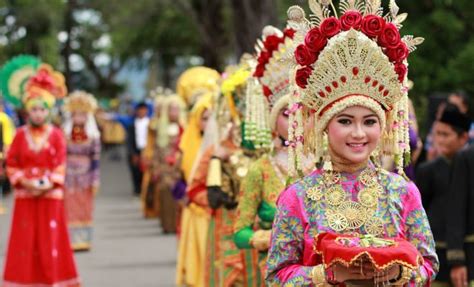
x,y
158,95
358,59
80,101
233,87
195,82
270,91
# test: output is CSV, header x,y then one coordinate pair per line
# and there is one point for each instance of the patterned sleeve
x,y
95,160
418,232
285,258
249,200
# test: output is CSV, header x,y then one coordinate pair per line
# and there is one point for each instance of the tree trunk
x,y
68,24
249,18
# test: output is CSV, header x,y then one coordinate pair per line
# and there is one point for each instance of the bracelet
x,y
318,276
403,278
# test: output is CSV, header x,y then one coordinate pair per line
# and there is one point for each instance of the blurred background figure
x,y
136,141
82,172
39,252
450,132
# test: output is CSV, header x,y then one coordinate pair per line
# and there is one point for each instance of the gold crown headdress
x,y
80,101
356,59
272,78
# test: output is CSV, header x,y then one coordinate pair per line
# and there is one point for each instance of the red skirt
x,y
39,252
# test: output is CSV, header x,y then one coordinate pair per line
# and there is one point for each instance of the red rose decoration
x,y
398,54
330,27
351,19
271,42
264,57
315,40
372,25
390,36
266,91
401,70
259,70
288,32
302,76
304,56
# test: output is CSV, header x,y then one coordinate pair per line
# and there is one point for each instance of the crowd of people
x,y
301,165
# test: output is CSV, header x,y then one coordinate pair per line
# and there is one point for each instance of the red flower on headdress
x,y
271,43
259,70
351,19
390,36
372,25
302,76
401,70
43,80
304,56
264,57
330,27
315,40
290,33
398,54
266,91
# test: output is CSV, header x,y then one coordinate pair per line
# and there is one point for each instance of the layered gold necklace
x,y
344,214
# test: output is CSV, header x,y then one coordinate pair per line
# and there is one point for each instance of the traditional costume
x,y
268,94
39,252
167,175
371,214
82,169
226,265
195,217
149,195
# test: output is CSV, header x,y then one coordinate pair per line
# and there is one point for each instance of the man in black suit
x,y
460,219
136,142
433,178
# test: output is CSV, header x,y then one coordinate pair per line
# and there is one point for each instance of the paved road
x,y
127,249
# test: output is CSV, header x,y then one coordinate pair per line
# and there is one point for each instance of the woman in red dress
x,y
39,251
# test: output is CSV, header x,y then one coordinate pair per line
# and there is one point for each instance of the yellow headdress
x,y
25,80
195,82
192,137
80,101
358,59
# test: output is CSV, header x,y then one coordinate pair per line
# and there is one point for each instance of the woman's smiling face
x,y
353,134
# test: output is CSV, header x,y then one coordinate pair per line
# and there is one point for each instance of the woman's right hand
x,y
27,184
364,271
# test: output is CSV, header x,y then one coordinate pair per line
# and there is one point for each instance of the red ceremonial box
x,y
382,253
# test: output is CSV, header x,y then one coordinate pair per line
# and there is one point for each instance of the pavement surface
x,y
127,249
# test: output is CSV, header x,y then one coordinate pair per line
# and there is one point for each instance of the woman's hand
x,y
27,184
364,271
393,273
261,240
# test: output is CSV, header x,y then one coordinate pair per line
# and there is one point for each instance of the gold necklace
x,y
344,214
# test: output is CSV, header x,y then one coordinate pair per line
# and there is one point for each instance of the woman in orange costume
x,y
39,252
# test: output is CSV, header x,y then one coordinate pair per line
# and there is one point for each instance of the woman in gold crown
x,y
39,252
268,98
82,172
352,78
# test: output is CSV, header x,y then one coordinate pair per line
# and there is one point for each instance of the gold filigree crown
x,y
359,53
80,101
356,59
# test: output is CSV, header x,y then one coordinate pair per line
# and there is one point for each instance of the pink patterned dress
x,y
299,218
